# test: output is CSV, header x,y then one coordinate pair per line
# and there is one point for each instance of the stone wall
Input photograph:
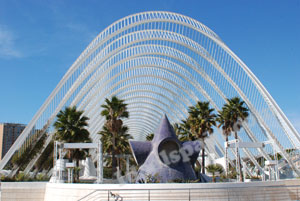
x,y
279,190
40,191
23,191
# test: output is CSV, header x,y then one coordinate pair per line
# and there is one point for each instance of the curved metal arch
x,y
136,20
191,94
234,87
145,106
136,114
156,93
152,109
100,39
155,105
173,41
93,107
177,111
136,99
248,130
196,85
146,113
207,76
144,124
140,131
127,86
265,94
173,71
267,130
148,125
99,126
182,59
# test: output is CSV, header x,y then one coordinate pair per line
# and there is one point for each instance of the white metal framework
x,y
58,155
163,62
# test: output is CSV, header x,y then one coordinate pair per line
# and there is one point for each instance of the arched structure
x,y
161,63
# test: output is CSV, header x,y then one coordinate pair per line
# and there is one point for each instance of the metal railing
x,y
264,193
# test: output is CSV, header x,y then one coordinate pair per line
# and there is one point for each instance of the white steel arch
x,y
163,62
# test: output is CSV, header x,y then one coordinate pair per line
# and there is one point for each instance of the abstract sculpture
x,y
165,157
90,172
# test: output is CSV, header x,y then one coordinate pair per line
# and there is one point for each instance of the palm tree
x,y
122,144
70,127
201,120
213,168
114,110
183,131
224,122
231,117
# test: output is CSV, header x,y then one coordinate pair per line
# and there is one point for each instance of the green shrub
x,y
215,168
23,177
41,177
107,172
6,178
150,179
18,160
45,161
184,181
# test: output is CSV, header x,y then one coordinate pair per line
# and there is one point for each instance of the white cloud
x,y
7,44
83,30
76,27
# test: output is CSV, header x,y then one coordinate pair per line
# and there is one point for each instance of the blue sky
x,y
39,41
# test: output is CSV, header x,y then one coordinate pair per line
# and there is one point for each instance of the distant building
x,y
9,132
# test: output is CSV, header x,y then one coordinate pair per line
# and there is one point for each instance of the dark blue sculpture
x,y
165,157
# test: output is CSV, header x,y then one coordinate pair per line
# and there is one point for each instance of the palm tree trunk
x,y
238,160
120,164
203,158
70,155
77,170
226,156
114,162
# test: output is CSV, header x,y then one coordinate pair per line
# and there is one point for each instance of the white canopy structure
x,y
161,63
